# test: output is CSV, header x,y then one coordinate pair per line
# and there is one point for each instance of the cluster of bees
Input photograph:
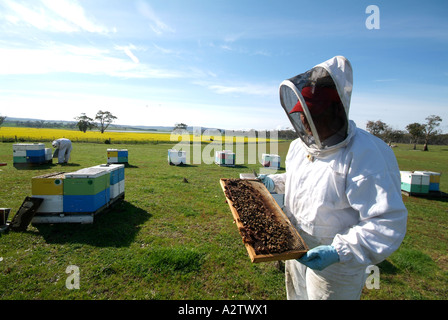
x,y
261,229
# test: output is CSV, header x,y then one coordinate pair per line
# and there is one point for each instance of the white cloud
x,y
128,52
85,60
74,13
156,24
247,89
63,16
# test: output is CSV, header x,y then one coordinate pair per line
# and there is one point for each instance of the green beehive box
x,y
414,182
88,181
19,159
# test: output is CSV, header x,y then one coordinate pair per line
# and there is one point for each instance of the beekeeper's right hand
x,y
268,182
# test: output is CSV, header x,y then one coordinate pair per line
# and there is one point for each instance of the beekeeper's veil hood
x,y
324,89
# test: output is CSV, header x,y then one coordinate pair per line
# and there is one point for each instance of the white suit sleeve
x,y
382,219
279,182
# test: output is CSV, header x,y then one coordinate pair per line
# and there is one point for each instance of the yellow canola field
x,y
44,134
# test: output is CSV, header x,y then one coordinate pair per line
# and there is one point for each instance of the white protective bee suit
x,y
345,193
64,147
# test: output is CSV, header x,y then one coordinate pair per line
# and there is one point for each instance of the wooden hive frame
x,y
272,205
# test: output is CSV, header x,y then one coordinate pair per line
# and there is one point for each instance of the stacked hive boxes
x,y
270,160
413,182
117,156
434,179
116,178
50,187
31,153
176,157
86,190
82,191
225,158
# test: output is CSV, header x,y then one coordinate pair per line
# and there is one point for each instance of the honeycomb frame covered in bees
x,y
266,231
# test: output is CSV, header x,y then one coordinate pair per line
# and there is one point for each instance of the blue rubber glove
x,y
268,182
320,257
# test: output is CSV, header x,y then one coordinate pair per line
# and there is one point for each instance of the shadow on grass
x,y
183,165
387,267
432,195
44,166
116,227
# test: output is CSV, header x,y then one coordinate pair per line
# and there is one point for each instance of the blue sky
x,y
217,63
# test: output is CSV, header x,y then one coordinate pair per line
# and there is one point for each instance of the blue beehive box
x,y
86,203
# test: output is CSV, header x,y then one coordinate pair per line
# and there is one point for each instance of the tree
x,y
105,118
2,118
180,126
376,128
84,123
429,129
416,131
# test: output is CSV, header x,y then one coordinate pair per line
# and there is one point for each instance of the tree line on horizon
x,y
415,133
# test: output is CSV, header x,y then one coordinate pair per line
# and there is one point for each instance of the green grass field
x,y
175,240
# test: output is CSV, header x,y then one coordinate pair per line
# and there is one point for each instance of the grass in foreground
x,y
175,240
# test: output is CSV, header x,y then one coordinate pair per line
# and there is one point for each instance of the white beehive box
x,y
28,146
176,157
434,179
414,182
51,204
225,158
270,161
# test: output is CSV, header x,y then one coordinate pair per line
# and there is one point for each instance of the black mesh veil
x,y
291,92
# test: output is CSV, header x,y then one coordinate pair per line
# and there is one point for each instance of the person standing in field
x,y
63,150
342,187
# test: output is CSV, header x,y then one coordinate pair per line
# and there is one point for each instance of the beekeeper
x,y
342,187
63,148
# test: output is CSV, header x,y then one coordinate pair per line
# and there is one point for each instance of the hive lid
x,y
92,172
109,167
54,175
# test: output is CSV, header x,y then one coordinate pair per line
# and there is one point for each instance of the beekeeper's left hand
x,y
268,182
320,257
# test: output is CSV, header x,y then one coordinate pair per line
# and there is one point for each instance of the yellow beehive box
x,y
112,154
49,184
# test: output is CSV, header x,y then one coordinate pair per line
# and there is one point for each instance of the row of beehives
x,y
82,191
224,158
420,181
35,153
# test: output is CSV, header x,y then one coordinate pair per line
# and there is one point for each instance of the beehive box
x,y
86,190
29,153
117,156
225,158
266,231
176,157
116,178
86,203
434,179
48,184
51,204
48,155
414,182
88,181
270,161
